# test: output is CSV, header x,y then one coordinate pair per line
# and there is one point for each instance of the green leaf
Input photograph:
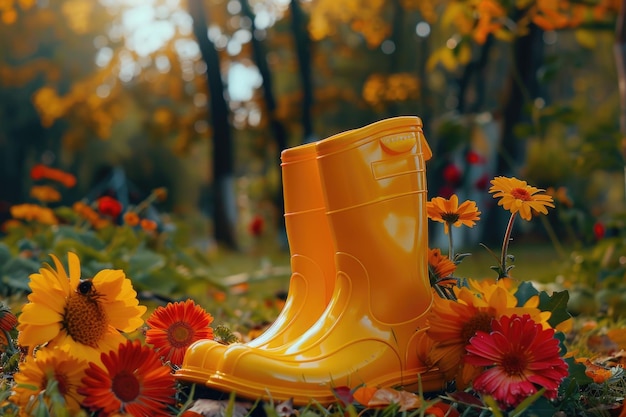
x,y
5,253
556,304
525,291
143,263
528,401
576,374
493,406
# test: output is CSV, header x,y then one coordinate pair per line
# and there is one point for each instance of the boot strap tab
x,y
409,164
398,143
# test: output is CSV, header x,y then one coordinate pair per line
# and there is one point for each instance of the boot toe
x,y
201,361
308,376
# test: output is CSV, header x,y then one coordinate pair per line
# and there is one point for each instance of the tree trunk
x,y
277,127
521,89
303,50
259,55
224,206
619,50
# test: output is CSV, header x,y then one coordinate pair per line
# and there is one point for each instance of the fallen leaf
x,y
220,408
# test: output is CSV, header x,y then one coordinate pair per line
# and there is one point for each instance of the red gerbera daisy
x,y
133,381
175,327
522,356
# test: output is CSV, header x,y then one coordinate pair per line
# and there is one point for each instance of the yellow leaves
x,y
77,13
449,58
585,38
457,14
363,17
618,336
49,105
9,10
380,88
9,16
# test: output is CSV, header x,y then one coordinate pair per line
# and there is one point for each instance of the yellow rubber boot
x,y
375,190
312,265
311,246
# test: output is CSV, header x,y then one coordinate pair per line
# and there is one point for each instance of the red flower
x,y
176,326
109,206
598,230
474,158
522,357
256,226
446,191
133,381
452,174
40,172
482,183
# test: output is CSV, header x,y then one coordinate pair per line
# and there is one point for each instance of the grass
x,y
534,261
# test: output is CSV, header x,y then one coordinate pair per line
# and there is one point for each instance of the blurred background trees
x,y
200,96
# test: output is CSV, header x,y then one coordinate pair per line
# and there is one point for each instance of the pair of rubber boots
x,y
356,224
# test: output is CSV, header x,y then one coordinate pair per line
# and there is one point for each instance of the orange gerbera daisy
x,y
7,319
34,213
517,196
175,327
458,321
448,212
83,317
37,372
521,357
132,380
45,193
440,267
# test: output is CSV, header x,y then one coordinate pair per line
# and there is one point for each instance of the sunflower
x,y
450,213
458,321
521,357
176,326
517,196
38,372
84,317
131,380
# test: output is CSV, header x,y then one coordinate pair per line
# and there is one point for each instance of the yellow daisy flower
x,y
81,316
49,365
457,321
448,212
517,196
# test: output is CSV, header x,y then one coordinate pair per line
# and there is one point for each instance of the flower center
x,y
514,363
62,382
84,319
125,386
521,194
179,334
481,321
450,218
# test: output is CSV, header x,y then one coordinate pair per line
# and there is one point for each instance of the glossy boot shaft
x,y
312,265
375,193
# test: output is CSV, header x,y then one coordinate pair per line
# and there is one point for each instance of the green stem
x,y
450,244
505,247
10,347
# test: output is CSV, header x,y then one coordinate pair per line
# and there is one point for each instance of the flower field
x,y
89,334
